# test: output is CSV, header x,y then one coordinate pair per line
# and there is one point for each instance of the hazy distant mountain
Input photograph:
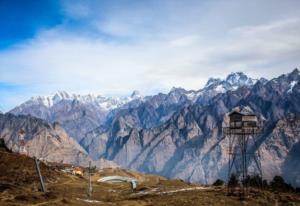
x,y
78,114
44,140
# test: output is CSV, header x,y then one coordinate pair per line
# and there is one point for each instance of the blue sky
x,y
116,46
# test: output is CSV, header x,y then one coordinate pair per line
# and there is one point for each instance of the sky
x,y
113,47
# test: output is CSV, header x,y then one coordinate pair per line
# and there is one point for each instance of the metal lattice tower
x,y
243,148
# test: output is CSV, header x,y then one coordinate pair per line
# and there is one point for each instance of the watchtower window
x,y
235,124
249,124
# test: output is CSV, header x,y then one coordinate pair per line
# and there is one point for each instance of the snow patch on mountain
x,y
239,79
220,88
292,84
217,85
105,103
212,81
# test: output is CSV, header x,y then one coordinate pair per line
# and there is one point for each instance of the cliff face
x,y
280,151
75,117
190,144
43,140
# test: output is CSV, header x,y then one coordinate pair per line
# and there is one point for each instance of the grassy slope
x,y
19,186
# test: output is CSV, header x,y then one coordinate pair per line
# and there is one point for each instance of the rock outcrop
x,y
43,140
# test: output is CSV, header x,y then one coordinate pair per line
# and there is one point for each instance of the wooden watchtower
x,y
243,148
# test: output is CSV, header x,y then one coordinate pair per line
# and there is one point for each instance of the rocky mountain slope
x,y
78,114
179,134
190,144
280,151
43,140
156,110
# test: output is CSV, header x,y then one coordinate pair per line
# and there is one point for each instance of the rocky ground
x,y
19,185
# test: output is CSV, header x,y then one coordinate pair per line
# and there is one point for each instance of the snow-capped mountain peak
x,y
239,79
231,82
136,94
212,81
105,103
214,86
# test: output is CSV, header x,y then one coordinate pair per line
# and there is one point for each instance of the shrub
x,y
278,184
218,182
233,181
246,181
265,184
256,181
253,181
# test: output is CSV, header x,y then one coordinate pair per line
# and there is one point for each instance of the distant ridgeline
x,y
179,134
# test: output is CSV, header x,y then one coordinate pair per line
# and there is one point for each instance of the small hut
x,y
77,171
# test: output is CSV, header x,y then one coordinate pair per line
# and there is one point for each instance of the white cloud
x,y
151,51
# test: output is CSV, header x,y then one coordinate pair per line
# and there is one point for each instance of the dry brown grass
x,y
19,186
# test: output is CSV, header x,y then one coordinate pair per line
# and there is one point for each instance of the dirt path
x,y
155,191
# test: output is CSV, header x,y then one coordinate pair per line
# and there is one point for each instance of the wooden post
x,y
37,166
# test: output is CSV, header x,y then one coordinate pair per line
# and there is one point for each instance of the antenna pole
x,y
37,166
90,189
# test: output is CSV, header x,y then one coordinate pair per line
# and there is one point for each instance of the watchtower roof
x,y
242,113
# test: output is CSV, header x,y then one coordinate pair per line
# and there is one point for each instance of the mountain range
x,y
178,134
44,140
78,114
